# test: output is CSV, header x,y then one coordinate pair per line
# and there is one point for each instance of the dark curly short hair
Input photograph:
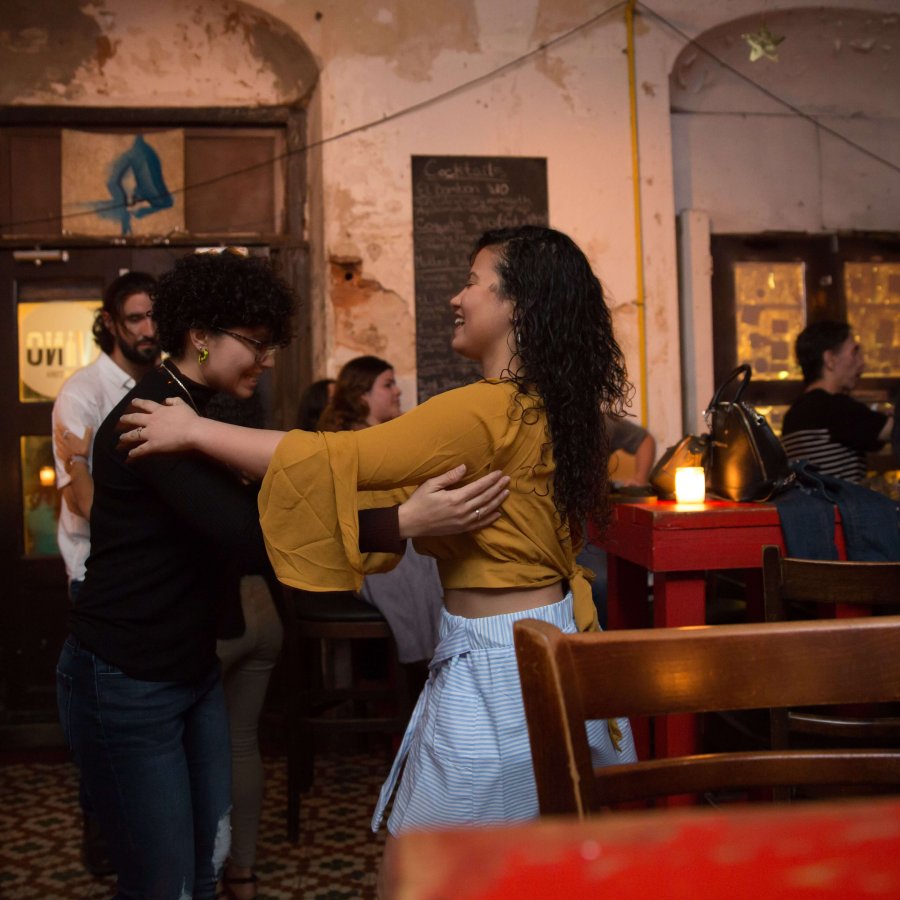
x,y
114,297
221,290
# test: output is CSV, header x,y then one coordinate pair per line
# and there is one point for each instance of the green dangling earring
x,y
203,356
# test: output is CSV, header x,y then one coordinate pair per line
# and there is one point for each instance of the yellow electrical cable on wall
x,y
638,221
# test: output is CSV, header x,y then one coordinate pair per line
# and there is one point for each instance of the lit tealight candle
x,y
47,476
690,484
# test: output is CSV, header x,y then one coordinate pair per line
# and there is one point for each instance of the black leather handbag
x,y
746,460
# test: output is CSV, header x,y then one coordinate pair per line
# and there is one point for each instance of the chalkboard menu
x,y
455,199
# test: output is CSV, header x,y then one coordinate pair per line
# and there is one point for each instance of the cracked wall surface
x,y
149,53
383,80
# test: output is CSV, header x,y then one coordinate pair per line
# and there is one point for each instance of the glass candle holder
x,y
690,484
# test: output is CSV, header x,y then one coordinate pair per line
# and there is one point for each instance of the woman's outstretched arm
x,y
151,428
436,508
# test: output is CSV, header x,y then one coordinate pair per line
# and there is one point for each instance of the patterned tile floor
x,y
336,858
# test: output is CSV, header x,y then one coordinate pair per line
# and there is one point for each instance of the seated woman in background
x,y
139,687
532,314
365,393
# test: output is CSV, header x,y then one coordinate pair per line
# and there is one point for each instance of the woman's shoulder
x,y
486,390
469,400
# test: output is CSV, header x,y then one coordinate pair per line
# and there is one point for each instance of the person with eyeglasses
x,y
139,686
533,316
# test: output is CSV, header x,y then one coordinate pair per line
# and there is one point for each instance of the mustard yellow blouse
x,y
317,482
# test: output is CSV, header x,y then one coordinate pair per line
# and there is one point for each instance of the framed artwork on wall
x,y
118,184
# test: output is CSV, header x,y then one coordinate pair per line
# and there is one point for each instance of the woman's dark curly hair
x,y
347,409
221,290
566,353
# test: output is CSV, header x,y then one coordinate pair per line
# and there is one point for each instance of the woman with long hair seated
x,y
532,314
365,393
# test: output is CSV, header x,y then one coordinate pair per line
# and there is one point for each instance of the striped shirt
x,y
833,432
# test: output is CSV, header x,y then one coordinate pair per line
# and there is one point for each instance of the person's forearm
x,y
643,459
247,449
78,494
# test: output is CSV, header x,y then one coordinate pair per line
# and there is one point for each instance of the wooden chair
x,y
803,588
788,582
315,623
569,678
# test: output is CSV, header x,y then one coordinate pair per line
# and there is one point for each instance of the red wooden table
x,y
678,544
813,850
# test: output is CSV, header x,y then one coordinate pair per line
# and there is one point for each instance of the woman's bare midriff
x,y
476,603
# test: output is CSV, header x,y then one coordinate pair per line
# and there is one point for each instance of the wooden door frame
x,y
291,249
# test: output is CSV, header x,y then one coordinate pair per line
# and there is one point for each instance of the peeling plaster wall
x,y
568,102
149,53
752,164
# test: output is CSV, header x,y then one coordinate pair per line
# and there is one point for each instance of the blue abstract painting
x,y
122,183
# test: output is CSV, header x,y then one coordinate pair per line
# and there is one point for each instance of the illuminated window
x,y
872,290
770,311
55,339
40,498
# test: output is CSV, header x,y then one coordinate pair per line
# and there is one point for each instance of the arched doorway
x,y
786,175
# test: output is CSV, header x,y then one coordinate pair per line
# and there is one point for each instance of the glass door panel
x,y
872,290
40,498
55,339
770,311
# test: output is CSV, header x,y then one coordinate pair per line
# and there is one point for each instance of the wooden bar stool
x,y
316,622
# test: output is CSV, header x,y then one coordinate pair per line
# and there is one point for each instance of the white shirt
x,y
84,401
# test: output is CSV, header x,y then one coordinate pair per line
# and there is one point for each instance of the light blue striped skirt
x,y
466,752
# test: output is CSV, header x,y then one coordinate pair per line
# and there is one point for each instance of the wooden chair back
x,y
804,588
570,678
788,582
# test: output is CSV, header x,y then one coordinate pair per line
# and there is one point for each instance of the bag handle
x,y
744,370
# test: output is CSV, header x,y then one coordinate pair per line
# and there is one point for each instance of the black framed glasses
x,y
261,349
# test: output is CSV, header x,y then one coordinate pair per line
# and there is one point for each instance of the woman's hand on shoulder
x,y
150,427
437,508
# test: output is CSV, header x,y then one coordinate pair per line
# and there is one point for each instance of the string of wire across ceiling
x,y
485,77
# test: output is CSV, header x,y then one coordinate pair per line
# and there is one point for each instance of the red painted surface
x,y
831,850
678,544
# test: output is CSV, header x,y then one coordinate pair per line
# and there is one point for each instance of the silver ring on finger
x,y
477,514
140,429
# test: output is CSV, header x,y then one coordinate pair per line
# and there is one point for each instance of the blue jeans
x,y
594,558
155,759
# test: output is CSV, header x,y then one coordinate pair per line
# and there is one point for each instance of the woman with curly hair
x,y
365,393
139,687
532,314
